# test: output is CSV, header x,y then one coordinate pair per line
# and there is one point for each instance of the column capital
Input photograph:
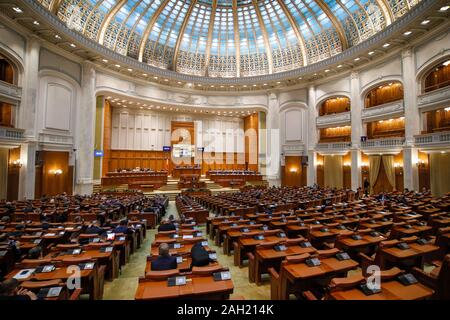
x,y
354,75
406,53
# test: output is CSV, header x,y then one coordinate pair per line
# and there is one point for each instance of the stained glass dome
x,y
228,38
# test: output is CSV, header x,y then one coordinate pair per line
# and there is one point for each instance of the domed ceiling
x,y
228,38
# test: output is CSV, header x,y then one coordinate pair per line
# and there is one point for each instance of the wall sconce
x,y
293,170
420,164
397,165
364,168
17,163
347,164
319,165
56,172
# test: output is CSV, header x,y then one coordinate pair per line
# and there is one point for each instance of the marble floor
x,y
124,287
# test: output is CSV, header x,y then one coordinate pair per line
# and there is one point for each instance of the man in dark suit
x,y
166,225
199,255
123,227
94,228
9,290
164,261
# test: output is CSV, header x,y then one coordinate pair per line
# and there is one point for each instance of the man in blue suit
x,y
164,261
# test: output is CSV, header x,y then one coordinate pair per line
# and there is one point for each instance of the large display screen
x,y
183,150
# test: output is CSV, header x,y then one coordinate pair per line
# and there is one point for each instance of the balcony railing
x,y
11,133
391,109
10,91
333,119
434,98
432,139
333,146
383,143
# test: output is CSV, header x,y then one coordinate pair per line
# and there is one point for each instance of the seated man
x,y
199,255
9,290
166,225
35,253
94,228
164,261
122,227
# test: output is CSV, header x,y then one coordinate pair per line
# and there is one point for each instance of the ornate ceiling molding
x,y
376,40
237,39
210,33
387,12
149,28
107,20
337,24
180,35
297,32
265,37
54,6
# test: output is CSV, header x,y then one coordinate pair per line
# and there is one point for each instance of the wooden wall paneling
x,y
55,184
251,122
293,171
438,77
424,171
107,131
335,105
399,179
12,192
384,94
320,171
347,171
38,182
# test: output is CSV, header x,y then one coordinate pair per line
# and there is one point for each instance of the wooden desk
x,y
248,244
391,290
178,172
196,287
405,259
269,257
88,278
299,276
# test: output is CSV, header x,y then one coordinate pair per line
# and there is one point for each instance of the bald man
x,y
164,261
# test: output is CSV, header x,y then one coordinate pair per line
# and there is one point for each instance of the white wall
x,y
151,130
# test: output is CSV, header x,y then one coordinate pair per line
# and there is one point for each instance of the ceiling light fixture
x,y
407,33
371,53
386,45
445,8
17,10
425,22
36,23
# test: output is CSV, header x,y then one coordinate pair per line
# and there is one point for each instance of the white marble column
x,y
412,121
356,123
26,118
311,176
273,145
27,110
27,171
84,143
356,168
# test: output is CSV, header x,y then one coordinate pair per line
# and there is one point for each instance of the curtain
x,y
333,172
3,172
440,173
389,169
374,169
